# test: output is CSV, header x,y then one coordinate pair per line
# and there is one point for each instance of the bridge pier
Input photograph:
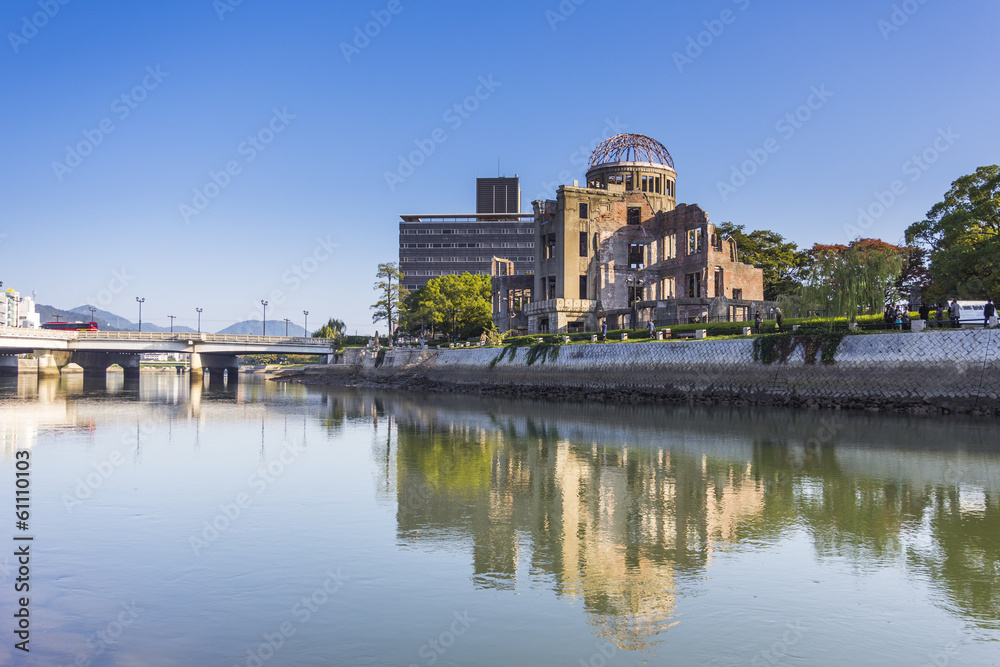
x,y
96,363
217,364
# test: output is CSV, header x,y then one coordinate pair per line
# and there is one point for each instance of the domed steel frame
x,y
630,148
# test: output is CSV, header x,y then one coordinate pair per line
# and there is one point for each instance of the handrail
x,y
162,336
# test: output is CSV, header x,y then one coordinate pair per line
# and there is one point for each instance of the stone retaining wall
x,y
957,370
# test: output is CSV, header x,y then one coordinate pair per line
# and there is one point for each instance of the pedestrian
x,y
925,312
954,314
778,317
604,331
939,316
897,316
652,329
757,319
888,315
988,312
906,317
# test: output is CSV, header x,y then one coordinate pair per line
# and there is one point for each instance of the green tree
x,y
391,295
334,328
782,261
458,306
962,236
854,279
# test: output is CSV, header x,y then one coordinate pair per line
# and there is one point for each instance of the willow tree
x,y
855,279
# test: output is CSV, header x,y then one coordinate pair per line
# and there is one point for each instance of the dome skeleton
x,y
630,148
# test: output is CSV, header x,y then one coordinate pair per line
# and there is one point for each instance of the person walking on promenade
x,y
988,312
905,316
888,315
897,317
925,312
757,319
954,314
652,329
939,316
604,331
778,318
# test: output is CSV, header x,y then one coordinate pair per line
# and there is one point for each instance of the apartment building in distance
x,y
436,245
621,250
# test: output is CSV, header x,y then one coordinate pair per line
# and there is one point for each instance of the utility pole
x,y
263,322
286,327
92,309
140,301
306,327
199,319
171,322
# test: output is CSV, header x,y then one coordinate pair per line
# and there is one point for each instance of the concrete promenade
x,y
931,371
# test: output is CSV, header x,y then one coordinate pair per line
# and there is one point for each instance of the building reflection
x,y
628,520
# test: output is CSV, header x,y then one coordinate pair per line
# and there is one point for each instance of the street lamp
x,y
199,319
306,327
91,309
286,327
140,302
263,322
171,322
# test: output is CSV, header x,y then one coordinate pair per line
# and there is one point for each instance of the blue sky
x,y
211,154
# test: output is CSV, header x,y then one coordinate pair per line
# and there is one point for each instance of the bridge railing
x,y
198,337
36,333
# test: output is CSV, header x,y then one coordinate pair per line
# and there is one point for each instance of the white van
x,y
971,313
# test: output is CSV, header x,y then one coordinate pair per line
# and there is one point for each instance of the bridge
x,y
95,351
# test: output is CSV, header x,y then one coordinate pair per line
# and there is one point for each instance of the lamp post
x,y
286,327
306,327
92,310
199,319
263,322
171,322
140,302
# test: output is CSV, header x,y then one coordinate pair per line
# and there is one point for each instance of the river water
x,y
273,524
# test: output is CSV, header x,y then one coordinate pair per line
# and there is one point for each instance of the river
x,y
261,523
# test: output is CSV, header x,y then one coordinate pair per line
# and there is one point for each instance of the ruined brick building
x,y
622,250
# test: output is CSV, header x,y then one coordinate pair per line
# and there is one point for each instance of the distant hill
x,y
106,321
274,328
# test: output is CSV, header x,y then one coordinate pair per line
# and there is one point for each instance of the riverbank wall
x,y
932,371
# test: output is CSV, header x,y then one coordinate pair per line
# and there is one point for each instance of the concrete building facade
x,y
437,245
621,250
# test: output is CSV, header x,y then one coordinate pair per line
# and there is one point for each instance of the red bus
x,y
71,326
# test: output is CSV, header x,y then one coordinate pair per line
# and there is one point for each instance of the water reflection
x,y
625,508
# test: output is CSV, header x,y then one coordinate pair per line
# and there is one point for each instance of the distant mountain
x,y
106,321
274,328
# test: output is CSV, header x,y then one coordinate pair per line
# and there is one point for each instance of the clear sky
x,y
211,154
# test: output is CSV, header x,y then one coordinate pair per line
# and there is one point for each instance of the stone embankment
x,y
952,371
